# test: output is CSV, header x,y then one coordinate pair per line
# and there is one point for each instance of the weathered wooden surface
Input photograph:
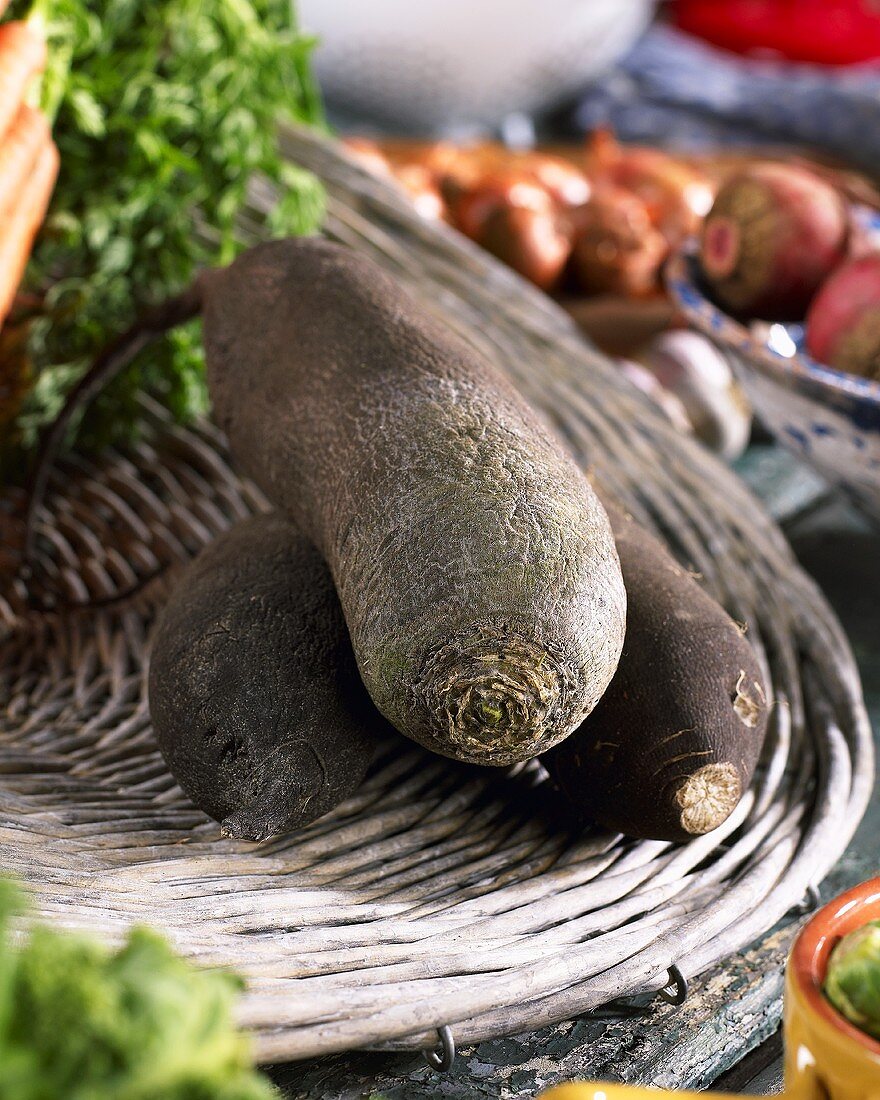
x,y
736,1007
760,1073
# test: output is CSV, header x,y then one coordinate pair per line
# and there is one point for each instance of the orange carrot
x,y
17,232
19,150
4,4
22,55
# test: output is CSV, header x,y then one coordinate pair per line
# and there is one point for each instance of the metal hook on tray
x,y
679,983
441,1059
673,993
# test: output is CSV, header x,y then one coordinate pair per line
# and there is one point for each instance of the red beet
x,y
773,235
843,324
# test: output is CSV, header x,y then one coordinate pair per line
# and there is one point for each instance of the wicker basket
x,y
440,894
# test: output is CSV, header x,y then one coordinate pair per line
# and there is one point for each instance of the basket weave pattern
x,y
439,893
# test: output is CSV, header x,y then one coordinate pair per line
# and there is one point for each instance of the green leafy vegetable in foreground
x,y
164,112
82,1022
853,980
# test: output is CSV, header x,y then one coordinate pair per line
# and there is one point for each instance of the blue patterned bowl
x,y
828,418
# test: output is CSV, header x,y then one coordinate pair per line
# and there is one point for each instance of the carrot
x,y
17,232
19,152
22,55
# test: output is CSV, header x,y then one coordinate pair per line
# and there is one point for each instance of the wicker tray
x,y
440,894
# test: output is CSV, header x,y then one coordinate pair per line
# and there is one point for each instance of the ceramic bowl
x,y
828,418
446,66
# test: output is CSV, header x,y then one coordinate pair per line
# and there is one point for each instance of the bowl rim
x,y
721,326
813,945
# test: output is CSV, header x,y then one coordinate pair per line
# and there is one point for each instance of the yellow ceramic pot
x,y
826,1058
825,1055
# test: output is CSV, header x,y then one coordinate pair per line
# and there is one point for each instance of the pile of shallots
x,y
602,222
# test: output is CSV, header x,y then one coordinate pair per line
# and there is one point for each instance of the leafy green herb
x,y
82,1022
164,111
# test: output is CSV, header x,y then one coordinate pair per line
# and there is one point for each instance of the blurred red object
x,y
826,32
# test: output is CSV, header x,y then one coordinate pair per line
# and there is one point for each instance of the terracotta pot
x,y
825,1055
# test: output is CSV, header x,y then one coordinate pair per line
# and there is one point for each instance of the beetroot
x,y
773,235
843,324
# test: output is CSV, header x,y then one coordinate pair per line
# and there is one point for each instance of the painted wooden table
x,y
731,1011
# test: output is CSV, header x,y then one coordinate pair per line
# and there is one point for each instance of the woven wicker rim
x,y
438,894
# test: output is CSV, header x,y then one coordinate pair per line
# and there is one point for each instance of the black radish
x,y
475,566
672,745
254,694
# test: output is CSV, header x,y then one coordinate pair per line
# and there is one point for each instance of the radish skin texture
x,y
774,233
843,324
254,694
673,743
475,566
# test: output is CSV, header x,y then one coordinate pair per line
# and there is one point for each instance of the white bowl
x,y
464,63
826,417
